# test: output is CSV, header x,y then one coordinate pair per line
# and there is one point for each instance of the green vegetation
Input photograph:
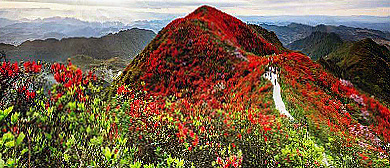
x,y
317,45
124,44
365,63
269,36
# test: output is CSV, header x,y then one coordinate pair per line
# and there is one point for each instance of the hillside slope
x,y
206,42
365,63
206,72
317,45
125,45
269,36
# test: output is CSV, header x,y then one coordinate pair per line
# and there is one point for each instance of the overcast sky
x,y
130,10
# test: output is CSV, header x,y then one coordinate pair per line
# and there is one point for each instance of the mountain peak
x,y
204,9
204,40
208,12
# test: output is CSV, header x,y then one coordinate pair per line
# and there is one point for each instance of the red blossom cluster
x,y
9,70
32,67
70,76
29,94
122,90
232,161
13,79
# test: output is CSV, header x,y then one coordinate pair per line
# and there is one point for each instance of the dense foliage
x,y
191,102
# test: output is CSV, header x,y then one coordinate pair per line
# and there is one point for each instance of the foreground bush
x,y
72,124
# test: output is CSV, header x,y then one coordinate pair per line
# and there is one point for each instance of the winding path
x,y
280,104
276,94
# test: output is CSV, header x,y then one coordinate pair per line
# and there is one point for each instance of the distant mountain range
x,y
293,32
369,22
326,39
16,32
124,45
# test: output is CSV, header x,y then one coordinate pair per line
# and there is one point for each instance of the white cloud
x,y
129,10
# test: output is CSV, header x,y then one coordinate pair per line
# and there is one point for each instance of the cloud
x,y
130,10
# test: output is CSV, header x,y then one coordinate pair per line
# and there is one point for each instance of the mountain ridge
x,y
365,63
317,44
295,31
124,44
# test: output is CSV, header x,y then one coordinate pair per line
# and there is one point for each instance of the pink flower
x,y
219,160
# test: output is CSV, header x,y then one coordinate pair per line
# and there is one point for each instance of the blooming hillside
x,y
197,96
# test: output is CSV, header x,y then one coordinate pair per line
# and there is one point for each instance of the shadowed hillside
x,y
317,45
365,63
125,45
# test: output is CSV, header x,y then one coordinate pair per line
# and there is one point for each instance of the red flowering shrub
x,y
32,67
334,102
205,71
24,80
196,96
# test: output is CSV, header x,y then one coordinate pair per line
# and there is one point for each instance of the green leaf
x,y
8,136
81,106
2,163
14,118
97,140
88,130
66,157
48,136
70,142
72,105
4,114
8,110
136,165
179,163
20,138
91,118
23,151
107,153
10,144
